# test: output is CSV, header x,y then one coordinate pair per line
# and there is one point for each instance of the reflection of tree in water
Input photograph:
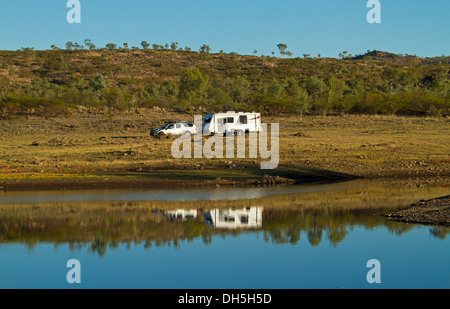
x,y
282,236
99,246
440,232
337,234
102,229
286,226
315,236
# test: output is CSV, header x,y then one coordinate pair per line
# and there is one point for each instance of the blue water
x,y
412,260
411,256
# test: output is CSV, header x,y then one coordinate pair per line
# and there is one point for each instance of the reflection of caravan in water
x,y
231,123
181,214
250,217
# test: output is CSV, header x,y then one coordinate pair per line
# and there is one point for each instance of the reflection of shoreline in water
x,y
282,226
321,215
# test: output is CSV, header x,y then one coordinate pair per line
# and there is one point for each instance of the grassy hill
x,y
59,81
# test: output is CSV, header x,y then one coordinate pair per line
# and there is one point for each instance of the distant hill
x,y
377,55
33,81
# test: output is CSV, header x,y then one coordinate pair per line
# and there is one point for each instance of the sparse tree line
x,y
53,81
88,45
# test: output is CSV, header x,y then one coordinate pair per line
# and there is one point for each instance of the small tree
x,y
315,87
145,45
193,86
343,55
69,45
301,104
282,47
292,88
111,46
433,111
174,46
89,44
274,89
98,84
205,49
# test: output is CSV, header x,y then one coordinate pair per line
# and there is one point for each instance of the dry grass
x,y
90,145
370,146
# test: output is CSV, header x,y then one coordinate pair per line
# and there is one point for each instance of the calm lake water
x,y
290,237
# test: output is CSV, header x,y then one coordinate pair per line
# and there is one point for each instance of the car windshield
x,y
165,126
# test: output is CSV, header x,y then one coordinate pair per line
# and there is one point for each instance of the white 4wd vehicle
x,y
175,128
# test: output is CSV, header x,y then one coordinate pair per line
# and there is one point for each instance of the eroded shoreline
x,y
434,211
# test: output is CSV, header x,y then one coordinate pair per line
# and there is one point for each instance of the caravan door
x,y
225,124
229,125
220,124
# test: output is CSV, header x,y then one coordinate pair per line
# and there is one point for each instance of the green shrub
x,y
11,106
433,111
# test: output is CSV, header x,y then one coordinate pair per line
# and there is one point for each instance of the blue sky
x,y
325,27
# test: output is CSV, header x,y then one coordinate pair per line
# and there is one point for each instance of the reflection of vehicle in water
x,y
250,217
181,214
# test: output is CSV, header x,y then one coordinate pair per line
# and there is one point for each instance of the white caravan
x,y
246,218
231,123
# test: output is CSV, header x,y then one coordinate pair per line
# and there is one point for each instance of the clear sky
x,y
325,27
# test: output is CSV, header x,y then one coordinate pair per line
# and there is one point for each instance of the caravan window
x,y
227,120
229,219
244,219
243,119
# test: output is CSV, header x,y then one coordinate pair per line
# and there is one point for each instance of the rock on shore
x,y
431,212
